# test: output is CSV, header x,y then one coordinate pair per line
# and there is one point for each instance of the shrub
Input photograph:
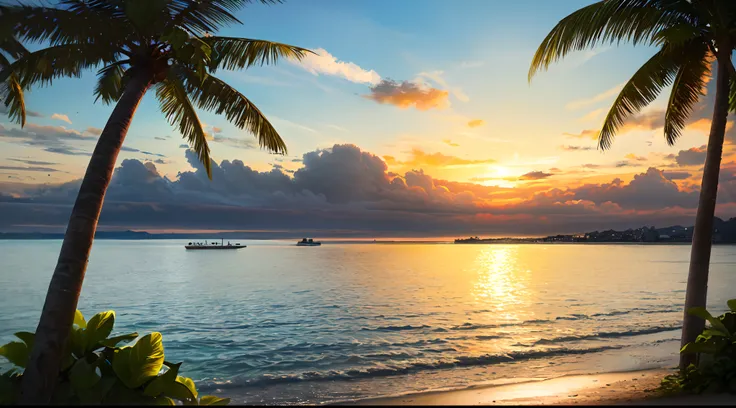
x,y
96,370
716,346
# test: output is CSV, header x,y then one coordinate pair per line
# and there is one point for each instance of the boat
x,y
214,245
308,242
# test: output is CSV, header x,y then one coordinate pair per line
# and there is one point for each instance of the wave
x,y
607,335
385,370
395,328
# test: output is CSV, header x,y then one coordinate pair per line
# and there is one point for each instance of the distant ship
x,y
308,242
213,245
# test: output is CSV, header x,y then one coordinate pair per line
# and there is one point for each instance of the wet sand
x,y
627,388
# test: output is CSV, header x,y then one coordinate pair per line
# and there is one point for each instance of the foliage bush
x,y
96,370
716,345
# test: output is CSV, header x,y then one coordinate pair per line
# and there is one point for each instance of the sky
x,y
415,118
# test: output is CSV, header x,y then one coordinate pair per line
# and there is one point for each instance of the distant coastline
x,y
724,232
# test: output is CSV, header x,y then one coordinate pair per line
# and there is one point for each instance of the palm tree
x,y
691,36
136,44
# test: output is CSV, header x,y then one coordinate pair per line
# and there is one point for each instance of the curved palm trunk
x,y
697,279
57,316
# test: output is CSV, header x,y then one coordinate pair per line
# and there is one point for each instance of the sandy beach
x,y
625,388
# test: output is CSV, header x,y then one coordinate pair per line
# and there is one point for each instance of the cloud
x,y
407,94
134,150
585,134
240,143
340,128
183,146
632,156
676,175
436,76
694,156
593,115
603,96
53,139
450,143
327,64
475,123
345,191
63,118
571,148
535,175
419,159
69,151
93,131
159,138
33,162
30,168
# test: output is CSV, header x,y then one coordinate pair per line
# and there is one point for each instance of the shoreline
x,y
616,388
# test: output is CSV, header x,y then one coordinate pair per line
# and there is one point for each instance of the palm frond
x,y
237,53
43,66
686,90
213,94
79,23
202,16
177,107
639,91
732,95
607,21
11,93
109,86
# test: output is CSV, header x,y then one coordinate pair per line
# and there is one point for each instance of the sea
x,y
274,323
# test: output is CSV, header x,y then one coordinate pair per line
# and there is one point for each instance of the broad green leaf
x,y
707,348
732,305
83,375
182,389
708,333
212,400
98,328
79,319
189,384
112,342
164,401
79,341
26,337
704,314
16,352
137,364
158,385
96,394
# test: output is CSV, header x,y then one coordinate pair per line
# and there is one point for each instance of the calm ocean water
x,y
276,323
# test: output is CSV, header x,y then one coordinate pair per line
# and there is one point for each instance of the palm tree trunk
x,y
57,317
697,279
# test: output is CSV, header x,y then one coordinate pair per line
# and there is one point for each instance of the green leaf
x,y
182,389
212,400
732,305
159,384
83,375
98,328
164,401
16,352
137,364
704,314
26,337
96,394
79,320
112,342
78,338
708,348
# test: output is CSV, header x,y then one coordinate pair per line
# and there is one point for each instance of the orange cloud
x,y
419,158
585,134
450,143
632,156
475,123
407,94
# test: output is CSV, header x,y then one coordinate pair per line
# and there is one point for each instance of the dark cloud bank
x,y
344,191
